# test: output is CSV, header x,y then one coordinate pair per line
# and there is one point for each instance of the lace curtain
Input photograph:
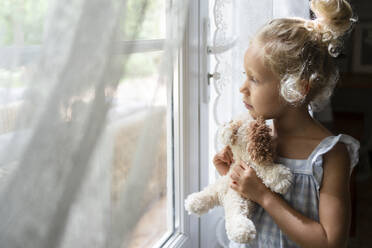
x,y
56,109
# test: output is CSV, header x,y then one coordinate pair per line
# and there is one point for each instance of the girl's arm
x,y
334,204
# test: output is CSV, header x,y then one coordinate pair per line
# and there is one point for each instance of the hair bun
x,y
335,16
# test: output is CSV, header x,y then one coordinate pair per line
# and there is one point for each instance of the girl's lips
x,y
248,106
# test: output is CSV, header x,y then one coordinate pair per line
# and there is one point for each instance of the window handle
x,y
210,50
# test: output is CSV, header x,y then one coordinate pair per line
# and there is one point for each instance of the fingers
x,y
273,130
239,169
244,166
234,175
228,158
228,153
234,185
223,158
249,173
245,170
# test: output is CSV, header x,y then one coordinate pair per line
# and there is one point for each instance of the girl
x,y
289,66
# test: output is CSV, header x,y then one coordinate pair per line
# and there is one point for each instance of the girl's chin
x,y
252,113
255,115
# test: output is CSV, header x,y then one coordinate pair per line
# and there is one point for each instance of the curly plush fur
x,y
251,142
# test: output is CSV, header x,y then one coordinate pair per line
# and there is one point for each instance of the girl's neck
x,y
295,122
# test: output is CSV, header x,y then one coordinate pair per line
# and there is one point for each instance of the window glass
x,y
153,26
132,99
22,22
21,34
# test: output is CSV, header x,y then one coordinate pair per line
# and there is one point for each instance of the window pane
x,y
153,26
134,95
22,22
21,33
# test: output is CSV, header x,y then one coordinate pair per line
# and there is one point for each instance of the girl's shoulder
x,y
341,148
335,163
334,154
316,144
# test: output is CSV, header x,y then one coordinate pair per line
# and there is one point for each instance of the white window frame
x,y
190,129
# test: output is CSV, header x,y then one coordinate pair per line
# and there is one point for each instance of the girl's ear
x,y
305,87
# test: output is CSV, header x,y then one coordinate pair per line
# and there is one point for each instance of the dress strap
x,y
315,160
322,144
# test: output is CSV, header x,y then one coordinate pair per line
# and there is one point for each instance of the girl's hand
x,y
246,183
223,160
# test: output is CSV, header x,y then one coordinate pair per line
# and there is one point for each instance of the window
x,y
137,90
177,160
21,37
165,222
21,33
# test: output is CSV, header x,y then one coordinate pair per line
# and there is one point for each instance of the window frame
x,y
190,128
190,123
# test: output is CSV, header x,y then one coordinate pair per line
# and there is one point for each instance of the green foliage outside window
x,y
24,19
153,26
23,22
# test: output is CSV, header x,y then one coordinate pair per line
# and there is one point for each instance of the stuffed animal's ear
x,y
228,133
260,144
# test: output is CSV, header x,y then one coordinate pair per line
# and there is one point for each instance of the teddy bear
x,y
250,141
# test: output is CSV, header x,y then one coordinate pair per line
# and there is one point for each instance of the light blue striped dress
x,y
303,195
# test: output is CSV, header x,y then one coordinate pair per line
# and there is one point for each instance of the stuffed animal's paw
x,y
195,204
277,177
283,181
240,229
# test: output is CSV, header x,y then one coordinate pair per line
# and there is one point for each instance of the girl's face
x,y
261,87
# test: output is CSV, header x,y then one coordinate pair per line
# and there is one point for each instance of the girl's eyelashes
x,y
252,79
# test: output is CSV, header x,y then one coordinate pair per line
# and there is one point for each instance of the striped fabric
x,y
303,195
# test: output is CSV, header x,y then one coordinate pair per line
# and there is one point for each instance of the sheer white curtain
x,y
56,138
236,22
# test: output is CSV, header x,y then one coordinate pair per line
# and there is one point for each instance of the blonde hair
x,y
300,52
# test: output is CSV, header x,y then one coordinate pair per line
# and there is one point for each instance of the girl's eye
x,y
250,78
253,79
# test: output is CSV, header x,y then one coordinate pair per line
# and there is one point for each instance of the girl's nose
x,y
241,89
244,89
